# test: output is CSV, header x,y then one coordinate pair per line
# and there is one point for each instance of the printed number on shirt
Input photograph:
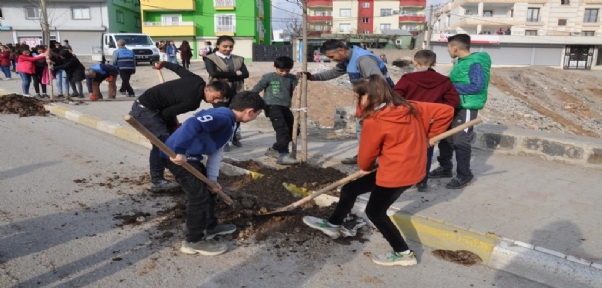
x,y
205,118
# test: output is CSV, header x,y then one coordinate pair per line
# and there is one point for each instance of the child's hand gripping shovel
x,y
172,154
359,174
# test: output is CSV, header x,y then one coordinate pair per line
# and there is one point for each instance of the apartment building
x,y
82,22
364,16
197,21
565,33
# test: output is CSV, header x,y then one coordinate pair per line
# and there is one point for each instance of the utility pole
x,y
304,88
429,29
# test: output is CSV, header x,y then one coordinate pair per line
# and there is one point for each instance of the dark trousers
x,y
125,75
151,120
282,120
226,104
200,209
381,198
186,63
429,160
37,80
76,86
460,143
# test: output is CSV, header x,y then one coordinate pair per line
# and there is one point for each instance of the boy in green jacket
x,y
278,90
470,77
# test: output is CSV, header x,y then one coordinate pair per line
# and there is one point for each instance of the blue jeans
x,y
62,81
172,59
26,81
6,70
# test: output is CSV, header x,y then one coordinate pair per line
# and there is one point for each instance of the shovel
x,y
359,174
153,139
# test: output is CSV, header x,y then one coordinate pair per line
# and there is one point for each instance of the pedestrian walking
x,y
185,54
172,52
5,55
125,60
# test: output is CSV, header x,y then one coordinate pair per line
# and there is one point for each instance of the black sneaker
x,y
236,143
423,187
350,161
61,96
440,172
459,182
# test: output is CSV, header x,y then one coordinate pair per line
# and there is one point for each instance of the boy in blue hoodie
x,y
206,133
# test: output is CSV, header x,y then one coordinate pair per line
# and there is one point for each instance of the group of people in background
x,y
169,52
41,64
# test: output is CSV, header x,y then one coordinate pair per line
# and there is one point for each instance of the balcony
x,y
412,3
225,30
319,3
168,5
319,18
161,29
224,4
499,21
412,18
318,33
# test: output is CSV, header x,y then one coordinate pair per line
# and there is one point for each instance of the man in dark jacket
x,y
124,59
98,73
158,107
426,85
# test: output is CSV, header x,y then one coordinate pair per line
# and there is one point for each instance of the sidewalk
x,y
549,205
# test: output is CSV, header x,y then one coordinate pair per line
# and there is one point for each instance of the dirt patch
x,y
21,105
270,186
463,257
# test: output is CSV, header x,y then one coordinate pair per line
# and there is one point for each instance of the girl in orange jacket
x,y
397,132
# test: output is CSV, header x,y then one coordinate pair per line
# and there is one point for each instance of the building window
x,y
365,20
366,32
531,33
345,12
323,13
32,12
138,24
413,12
80,13
590,16
561,22
588,33
171,20
565,2
225,23
488,13
344,27
384,27
1,13
533,15
386,12
511,12
412,27
120,17
366,5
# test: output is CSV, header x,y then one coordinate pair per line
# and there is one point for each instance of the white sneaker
x,y
322,225
393,259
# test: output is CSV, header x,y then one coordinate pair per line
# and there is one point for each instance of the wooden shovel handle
x,y
153,139
160,77
453,131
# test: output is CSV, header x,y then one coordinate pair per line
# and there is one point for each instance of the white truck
x,y
143,46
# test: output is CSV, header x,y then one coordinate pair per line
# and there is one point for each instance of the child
x,y
75,72
41,68
470,76
426,85
205,134
397,132
278,90
26,68
5,62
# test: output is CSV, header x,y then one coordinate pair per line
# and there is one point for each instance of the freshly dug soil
x,y
21,105
463,257
270,186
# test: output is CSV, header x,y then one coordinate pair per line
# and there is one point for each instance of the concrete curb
x,y
531,262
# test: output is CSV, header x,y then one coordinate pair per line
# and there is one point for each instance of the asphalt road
x,y
58,233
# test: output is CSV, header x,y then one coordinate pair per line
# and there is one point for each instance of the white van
x,y
143,46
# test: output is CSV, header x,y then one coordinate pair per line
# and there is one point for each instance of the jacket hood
x,y
428,79
66,54
394,114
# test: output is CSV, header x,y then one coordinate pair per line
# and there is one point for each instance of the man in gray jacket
x,y
355,61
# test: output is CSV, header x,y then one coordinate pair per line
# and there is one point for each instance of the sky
x,y
278,15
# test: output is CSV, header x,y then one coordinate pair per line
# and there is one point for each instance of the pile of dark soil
x,y
24,106
463,257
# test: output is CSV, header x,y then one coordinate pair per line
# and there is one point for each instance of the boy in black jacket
x,y
158,107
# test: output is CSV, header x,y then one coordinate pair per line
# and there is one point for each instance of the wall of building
x,y
337,19
131,13
365,12
393,20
